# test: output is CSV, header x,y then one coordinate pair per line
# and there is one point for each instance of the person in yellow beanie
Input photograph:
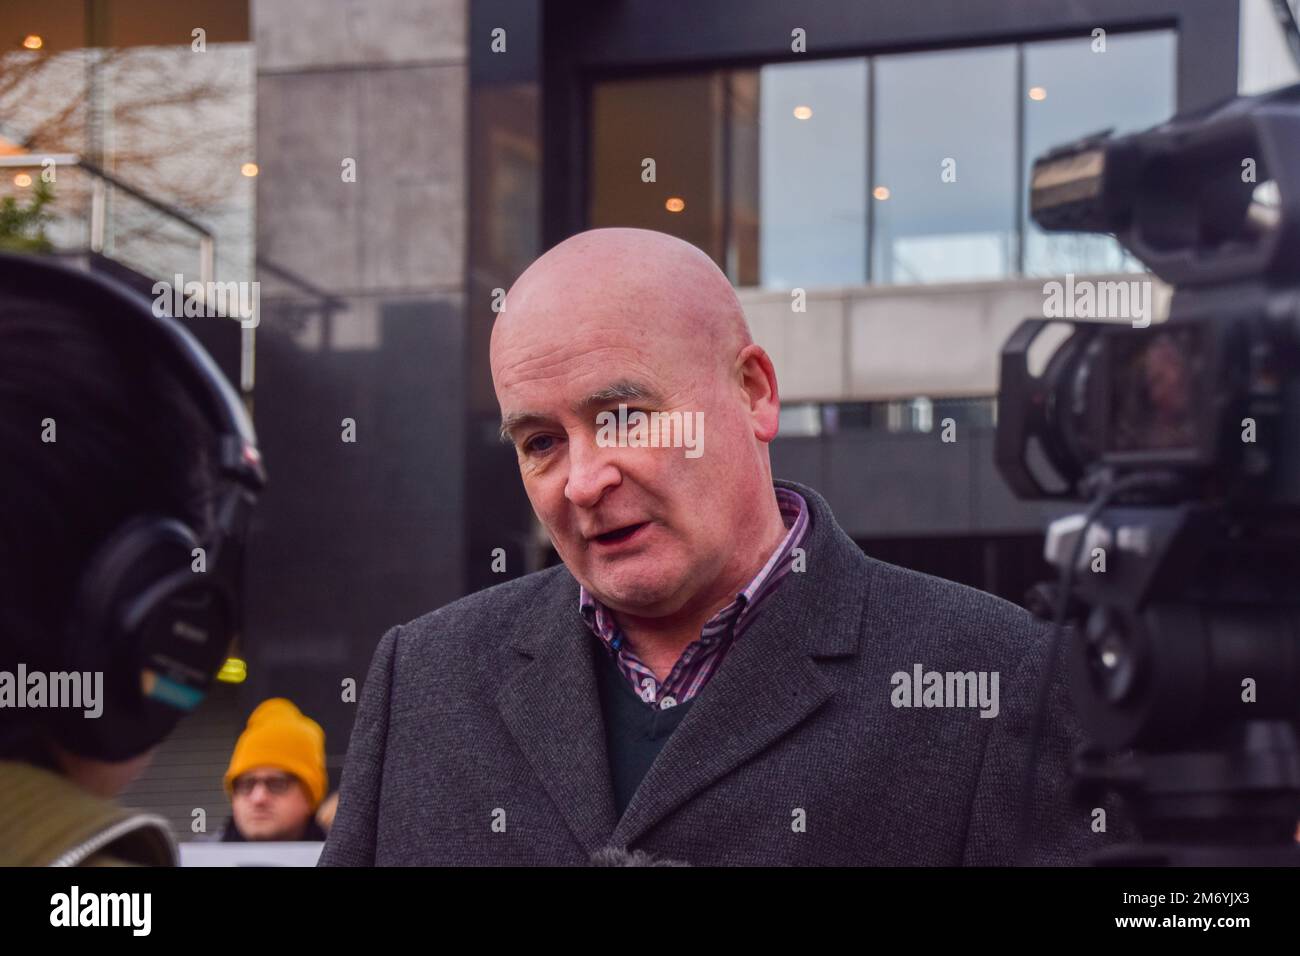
x,y
277,777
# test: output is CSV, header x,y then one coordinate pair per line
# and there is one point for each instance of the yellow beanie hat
x,y
280,735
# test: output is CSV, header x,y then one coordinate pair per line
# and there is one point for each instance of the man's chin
x,y
637,597
262,833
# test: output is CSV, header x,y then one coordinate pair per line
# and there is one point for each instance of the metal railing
x,y
100,181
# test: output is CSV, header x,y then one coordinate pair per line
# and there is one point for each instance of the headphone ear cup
x,y
154,629
93,638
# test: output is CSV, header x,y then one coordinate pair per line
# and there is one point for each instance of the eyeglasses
x,y
277,785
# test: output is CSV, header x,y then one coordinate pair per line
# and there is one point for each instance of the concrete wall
x,y
353,538
870,343
883,485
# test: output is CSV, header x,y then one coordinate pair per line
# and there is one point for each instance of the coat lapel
x,y
552,708
767,685
769,682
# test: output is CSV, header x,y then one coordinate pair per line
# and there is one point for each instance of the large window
x,y
900,168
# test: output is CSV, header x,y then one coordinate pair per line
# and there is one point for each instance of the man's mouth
x,y
619,535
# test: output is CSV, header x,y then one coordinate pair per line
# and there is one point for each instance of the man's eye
x,y
538,444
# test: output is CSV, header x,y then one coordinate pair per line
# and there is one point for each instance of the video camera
x,y
1184,574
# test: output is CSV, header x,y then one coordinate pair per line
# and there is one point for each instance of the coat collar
x,y
768,684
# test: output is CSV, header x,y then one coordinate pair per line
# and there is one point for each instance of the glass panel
x,y
678,123
180,128
933,107
1071,91
812,173
43,97
131,95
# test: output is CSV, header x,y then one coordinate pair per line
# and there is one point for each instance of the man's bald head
x,y
630,319
648,279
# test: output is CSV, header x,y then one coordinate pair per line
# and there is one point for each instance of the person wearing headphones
x,y
128,473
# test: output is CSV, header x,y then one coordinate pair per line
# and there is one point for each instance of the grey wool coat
x,y
479,737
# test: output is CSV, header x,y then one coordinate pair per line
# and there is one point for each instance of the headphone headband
x,y
91,293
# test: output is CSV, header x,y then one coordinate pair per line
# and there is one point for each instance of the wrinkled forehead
x,y
576,380
582,333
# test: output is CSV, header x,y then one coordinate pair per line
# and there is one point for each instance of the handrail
x,y
331,302
99,202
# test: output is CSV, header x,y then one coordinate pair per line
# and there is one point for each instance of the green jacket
x,y
47,820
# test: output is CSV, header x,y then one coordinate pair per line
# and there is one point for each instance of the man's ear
x,y
757,380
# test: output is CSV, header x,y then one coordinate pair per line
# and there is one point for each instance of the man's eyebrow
x,y
624,390
516,420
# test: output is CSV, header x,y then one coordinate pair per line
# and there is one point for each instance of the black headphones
x,y
152,614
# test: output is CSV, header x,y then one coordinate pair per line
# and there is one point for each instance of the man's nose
x,y
591,472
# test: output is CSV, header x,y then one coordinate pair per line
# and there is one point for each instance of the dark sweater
x,y
635,731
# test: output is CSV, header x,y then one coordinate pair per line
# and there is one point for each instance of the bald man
x,y
716,673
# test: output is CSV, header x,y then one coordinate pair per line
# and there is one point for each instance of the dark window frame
x,y
584,43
